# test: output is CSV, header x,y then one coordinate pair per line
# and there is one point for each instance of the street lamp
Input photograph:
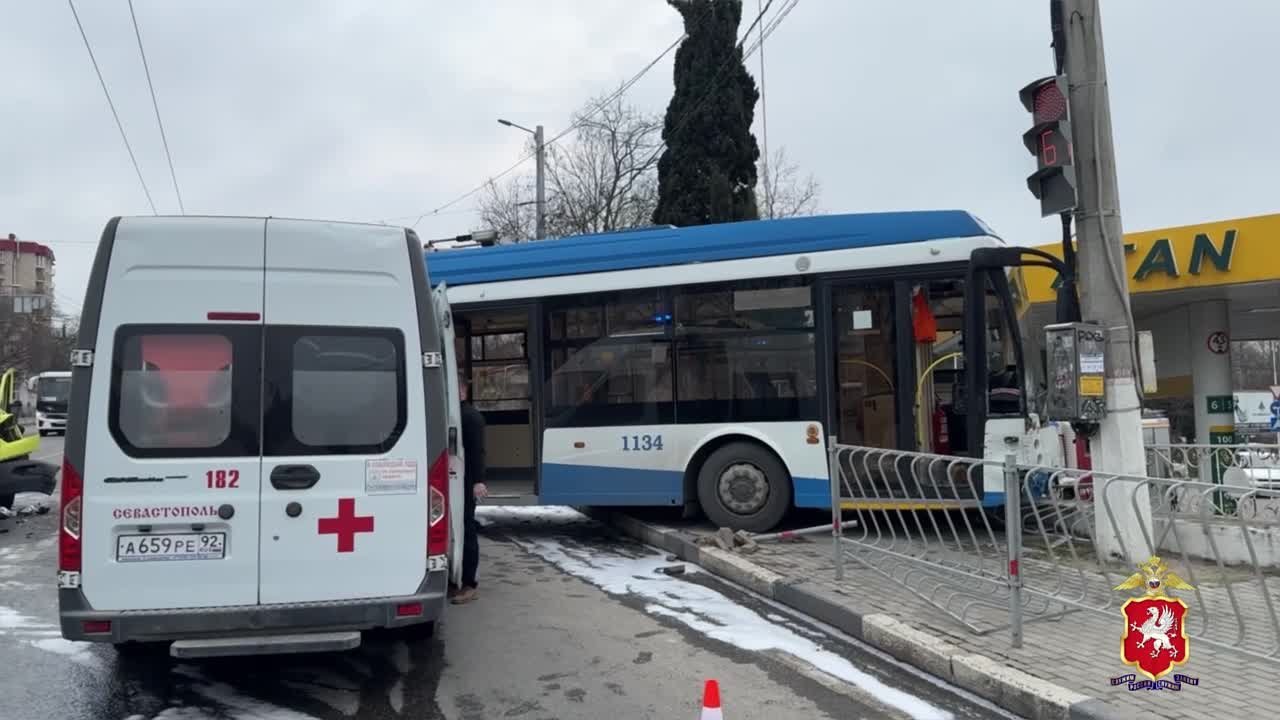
x,y
541,153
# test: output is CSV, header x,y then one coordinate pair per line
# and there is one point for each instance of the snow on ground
x,y
698,607
45,636
224,702
17,567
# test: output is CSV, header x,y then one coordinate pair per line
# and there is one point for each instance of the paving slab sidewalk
x,y
1062,670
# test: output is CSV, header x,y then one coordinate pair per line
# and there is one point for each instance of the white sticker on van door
x,y
391,476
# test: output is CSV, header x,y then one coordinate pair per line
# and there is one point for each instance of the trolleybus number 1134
x,y
641,443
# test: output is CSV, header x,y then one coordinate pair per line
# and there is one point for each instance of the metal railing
x,y
1241,465
1070,538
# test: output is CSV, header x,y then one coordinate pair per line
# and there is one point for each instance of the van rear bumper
x,y
240,621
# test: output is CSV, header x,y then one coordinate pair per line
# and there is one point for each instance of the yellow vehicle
x,y
18,472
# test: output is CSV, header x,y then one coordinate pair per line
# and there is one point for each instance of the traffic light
x,y
1049,140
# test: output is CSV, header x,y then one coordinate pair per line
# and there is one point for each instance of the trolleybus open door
x,y
998,394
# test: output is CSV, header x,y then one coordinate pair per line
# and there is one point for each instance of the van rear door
x,y
453,409
344,490
171,464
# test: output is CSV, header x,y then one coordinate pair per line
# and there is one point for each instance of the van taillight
x,y
438,506
409,609
72,502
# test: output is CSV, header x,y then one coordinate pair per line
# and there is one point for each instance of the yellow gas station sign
x,y
1221,253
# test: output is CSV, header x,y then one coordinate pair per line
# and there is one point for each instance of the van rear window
x,y
182,390
334,391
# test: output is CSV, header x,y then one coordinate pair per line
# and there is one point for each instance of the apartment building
x,y
26,274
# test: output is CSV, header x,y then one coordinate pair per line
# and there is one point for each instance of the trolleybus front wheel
x,y
743,486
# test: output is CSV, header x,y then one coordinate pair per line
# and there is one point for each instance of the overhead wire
x,y
765,32
119,125
156,106
782,14
65,309
580,121
764,124
716,79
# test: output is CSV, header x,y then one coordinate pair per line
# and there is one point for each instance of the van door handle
x,y
294,477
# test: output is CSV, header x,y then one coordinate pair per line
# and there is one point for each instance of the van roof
x,y
150,218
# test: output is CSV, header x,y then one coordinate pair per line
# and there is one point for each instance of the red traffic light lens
x,y
1050,105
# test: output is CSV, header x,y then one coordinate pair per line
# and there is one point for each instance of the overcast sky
x,y
383,110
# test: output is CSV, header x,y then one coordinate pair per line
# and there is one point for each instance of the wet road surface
x,y
572,622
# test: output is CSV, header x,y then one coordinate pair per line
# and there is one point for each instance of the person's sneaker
x,y
452,592
465,595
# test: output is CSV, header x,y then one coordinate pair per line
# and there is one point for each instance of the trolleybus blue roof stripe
x,y
661,246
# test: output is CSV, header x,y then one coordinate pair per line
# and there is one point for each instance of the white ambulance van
x,y
256,459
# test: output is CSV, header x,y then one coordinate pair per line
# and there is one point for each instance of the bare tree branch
x,y
509,208
34,342
604,179
782,191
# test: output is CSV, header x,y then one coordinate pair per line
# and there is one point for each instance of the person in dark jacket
x,y
473,476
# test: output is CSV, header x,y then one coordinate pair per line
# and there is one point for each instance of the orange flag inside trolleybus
x,y
924,324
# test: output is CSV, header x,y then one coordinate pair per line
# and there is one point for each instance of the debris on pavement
x,y
730,541
22,512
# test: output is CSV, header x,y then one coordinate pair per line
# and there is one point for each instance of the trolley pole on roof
x,y
1117,446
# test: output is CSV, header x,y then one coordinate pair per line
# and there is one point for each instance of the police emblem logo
x,y
1155,638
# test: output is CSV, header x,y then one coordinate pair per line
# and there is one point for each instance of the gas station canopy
x,y
1236,261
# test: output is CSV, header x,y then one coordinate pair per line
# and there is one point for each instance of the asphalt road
x,y
572,622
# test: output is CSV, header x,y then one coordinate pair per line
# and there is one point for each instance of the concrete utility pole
x,y
540,152
1275,377
1117,447
540,144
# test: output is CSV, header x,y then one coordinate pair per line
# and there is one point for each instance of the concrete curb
x,y
1011,689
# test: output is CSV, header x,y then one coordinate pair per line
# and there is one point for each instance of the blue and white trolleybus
x,y
707,367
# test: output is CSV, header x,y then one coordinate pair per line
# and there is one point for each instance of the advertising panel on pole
x,y
1258,409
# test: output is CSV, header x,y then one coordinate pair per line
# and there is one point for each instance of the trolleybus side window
x,y
610,360
497,357
745,352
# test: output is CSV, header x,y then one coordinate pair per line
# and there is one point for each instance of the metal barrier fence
x,y
1064,547
1238,467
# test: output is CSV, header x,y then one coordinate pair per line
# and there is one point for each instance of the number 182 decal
x,y
222,479
641,443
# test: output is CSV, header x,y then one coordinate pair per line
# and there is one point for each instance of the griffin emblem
x,y
1154,638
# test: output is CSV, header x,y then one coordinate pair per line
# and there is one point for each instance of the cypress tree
x,y
707,173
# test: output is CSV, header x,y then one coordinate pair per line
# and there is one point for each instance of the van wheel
x,y
743,486
44,433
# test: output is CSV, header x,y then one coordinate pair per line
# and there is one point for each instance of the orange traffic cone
x,y
711,701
